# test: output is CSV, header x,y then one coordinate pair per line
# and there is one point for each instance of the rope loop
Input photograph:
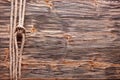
x,y
17,35
19,31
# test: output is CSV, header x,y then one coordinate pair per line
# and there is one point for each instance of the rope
x,y
21,23
20,12
14,53
15,31
16,56
10,43
23,13
21,50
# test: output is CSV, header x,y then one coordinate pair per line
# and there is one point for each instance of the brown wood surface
x,y
93,48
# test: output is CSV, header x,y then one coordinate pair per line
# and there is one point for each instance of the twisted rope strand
x,y
10,41
20,12
20,56
23,13
15,54
21,23
16,48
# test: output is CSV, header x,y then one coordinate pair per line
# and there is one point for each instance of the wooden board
x,y
93,51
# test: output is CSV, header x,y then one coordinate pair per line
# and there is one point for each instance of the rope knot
x,y
17,37
19,31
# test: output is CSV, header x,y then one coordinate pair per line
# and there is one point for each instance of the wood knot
x,y
49,3
33,29
68,37
6,54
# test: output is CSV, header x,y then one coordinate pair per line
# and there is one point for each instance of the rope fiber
x,y
15,32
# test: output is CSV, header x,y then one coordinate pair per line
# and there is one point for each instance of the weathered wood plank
x,y
93,50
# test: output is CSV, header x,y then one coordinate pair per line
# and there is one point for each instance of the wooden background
x,y
93,51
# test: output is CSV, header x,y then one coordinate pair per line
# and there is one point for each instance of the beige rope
x,y
15,53
21,23
20,12
13,21
23,12
10,43
21,50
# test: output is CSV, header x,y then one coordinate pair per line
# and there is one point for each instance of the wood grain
x,y
93,48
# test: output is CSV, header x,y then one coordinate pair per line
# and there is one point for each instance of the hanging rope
x,y
16,33
14,53
10,43
20,31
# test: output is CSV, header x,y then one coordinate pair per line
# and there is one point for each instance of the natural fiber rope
x,y
10,43
13,20
16,48
21,23
15,53
21,50
20,13
23,12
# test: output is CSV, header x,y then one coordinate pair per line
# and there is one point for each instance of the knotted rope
x,y
17,33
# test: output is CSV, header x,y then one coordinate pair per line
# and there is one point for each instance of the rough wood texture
x,y
93,51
